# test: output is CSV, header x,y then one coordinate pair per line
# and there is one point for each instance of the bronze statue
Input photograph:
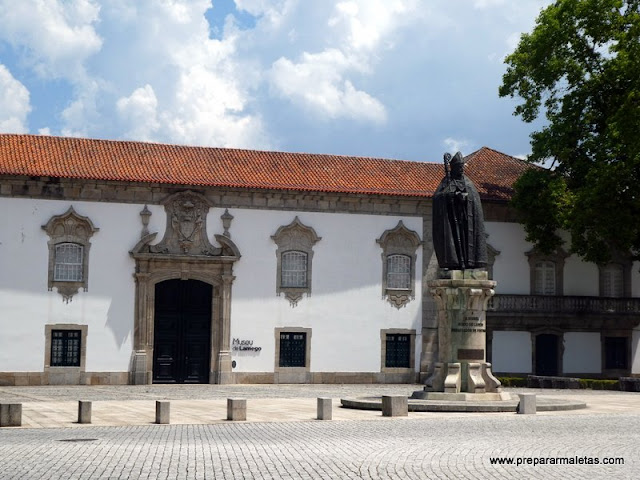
x,y
458,223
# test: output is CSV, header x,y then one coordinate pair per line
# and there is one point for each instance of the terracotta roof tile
x,y
34,155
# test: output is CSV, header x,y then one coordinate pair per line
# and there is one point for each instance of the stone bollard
x,y
236,409
527,403
163,410
395,406
84,412
10,414
324,409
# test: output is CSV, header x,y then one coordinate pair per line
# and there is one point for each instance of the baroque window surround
x,y
557,258
74,229
295,237
399,241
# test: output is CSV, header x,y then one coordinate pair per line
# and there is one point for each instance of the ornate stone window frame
x,y
626,263
399,241
74,371
558,258
69,228
295,237
383,350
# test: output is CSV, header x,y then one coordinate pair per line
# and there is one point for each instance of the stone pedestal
x,y
462,301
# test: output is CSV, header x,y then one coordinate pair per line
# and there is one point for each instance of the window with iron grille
x,y
399,272
398,350
293,349
65,348
68,263
294,269
615,353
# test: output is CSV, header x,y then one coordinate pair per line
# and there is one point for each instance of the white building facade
x,y
295,268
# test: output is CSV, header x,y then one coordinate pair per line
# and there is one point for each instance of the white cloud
x,y
138,111
318,82
58,36
368,22
14,103
209,110
454,145
326,79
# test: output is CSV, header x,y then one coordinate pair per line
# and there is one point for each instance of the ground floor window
x,y
293,349
398,346
615,353
398,354
65,346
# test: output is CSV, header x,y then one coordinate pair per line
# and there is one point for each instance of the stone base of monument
x,y
455,377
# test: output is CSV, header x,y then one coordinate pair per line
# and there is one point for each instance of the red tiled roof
x,y
63,157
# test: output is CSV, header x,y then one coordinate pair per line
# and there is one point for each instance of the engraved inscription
x,y
471,354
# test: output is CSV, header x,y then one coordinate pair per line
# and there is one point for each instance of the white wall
x,y
582,352
511,268
511,352
107,306
345,310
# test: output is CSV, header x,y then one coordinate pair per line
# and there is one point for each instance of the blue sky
x,y
406,79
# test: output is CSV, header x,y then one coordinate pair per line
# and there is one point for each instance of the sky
x,y
405,79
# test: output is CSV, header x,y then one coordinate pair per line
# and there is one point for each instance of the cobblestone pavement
x,y
281,440
196,392
395,448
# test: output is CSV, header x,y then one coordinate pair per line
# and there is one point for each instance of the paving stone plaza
x,y
282,439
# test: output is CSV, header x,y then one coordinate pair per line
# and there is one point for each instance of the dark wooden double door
x,y
182,332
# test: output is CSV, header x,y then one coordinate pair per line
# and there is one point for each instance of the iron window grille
x,y
293,349
68,262
294,269
65,348
398,350
399,272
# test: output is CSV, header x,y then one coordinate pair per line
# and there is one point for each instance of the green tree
x,y
580,67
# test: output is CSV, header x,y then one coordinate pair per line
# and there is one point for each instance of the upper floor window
x,y
294,255
294,269
399,253
545,278
69,245
546,272
612,280
615,277
399,272
68,263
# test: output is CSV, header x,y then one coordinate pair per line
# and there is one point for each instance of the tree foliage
x,y
580,67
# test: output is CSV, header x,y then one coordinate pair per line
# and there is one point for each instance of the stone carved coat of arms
x,y
186,231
